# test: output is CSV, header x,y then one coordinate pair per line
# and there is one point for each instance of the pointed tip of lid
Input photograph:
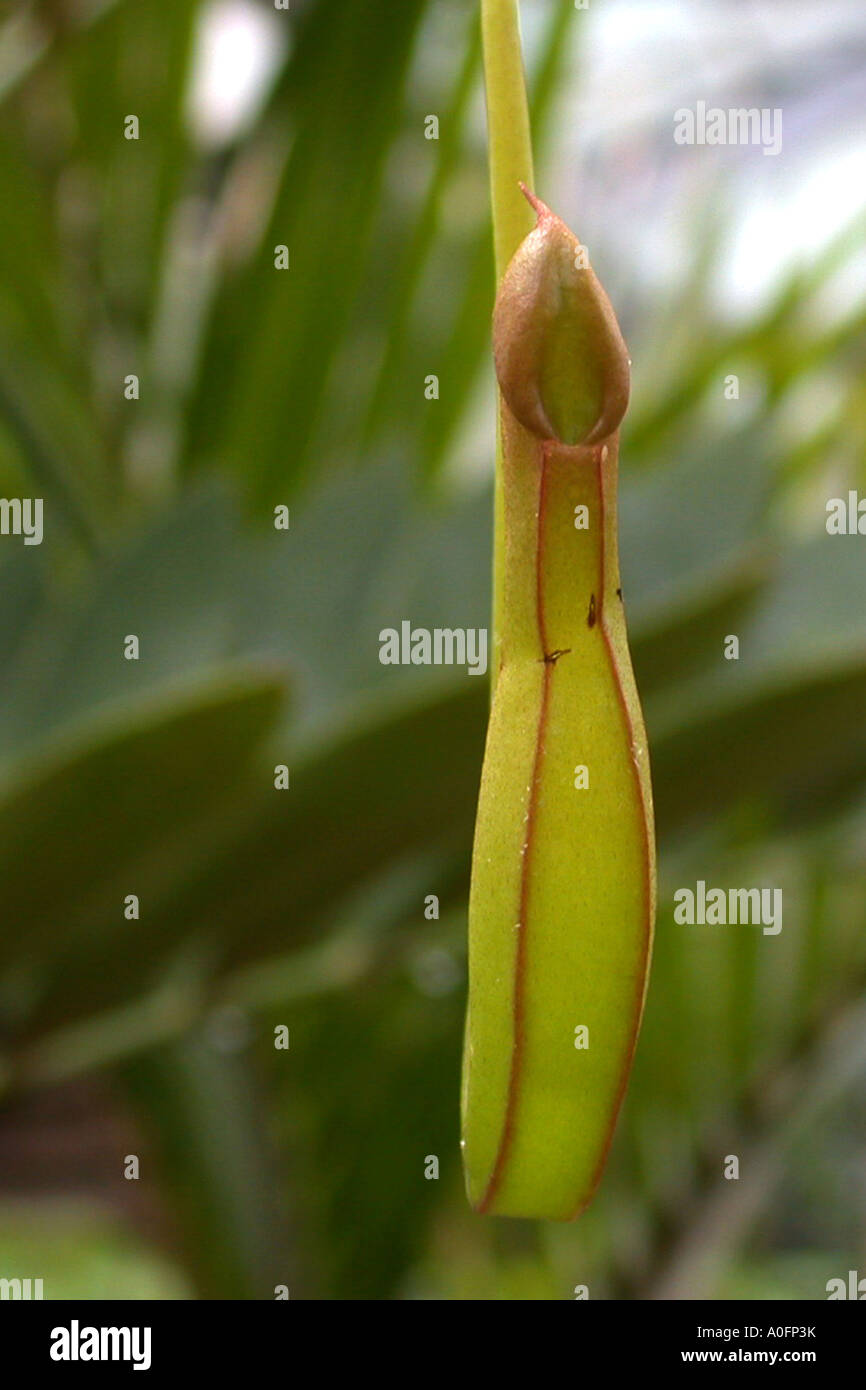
x,y
540,208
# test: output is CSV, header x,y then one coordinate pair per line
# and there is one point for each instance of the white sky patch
x,y
788,222
239,47
619,178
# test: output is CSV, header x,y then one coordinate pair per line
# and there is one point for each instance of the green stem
x,y
508,128
510,164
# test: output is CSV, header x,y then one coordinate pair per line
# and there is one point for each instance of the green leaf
x,y
273,333
208,1137
125,807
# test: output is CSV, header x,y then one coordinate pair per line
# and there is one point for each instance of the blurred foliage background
x,y
305,908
